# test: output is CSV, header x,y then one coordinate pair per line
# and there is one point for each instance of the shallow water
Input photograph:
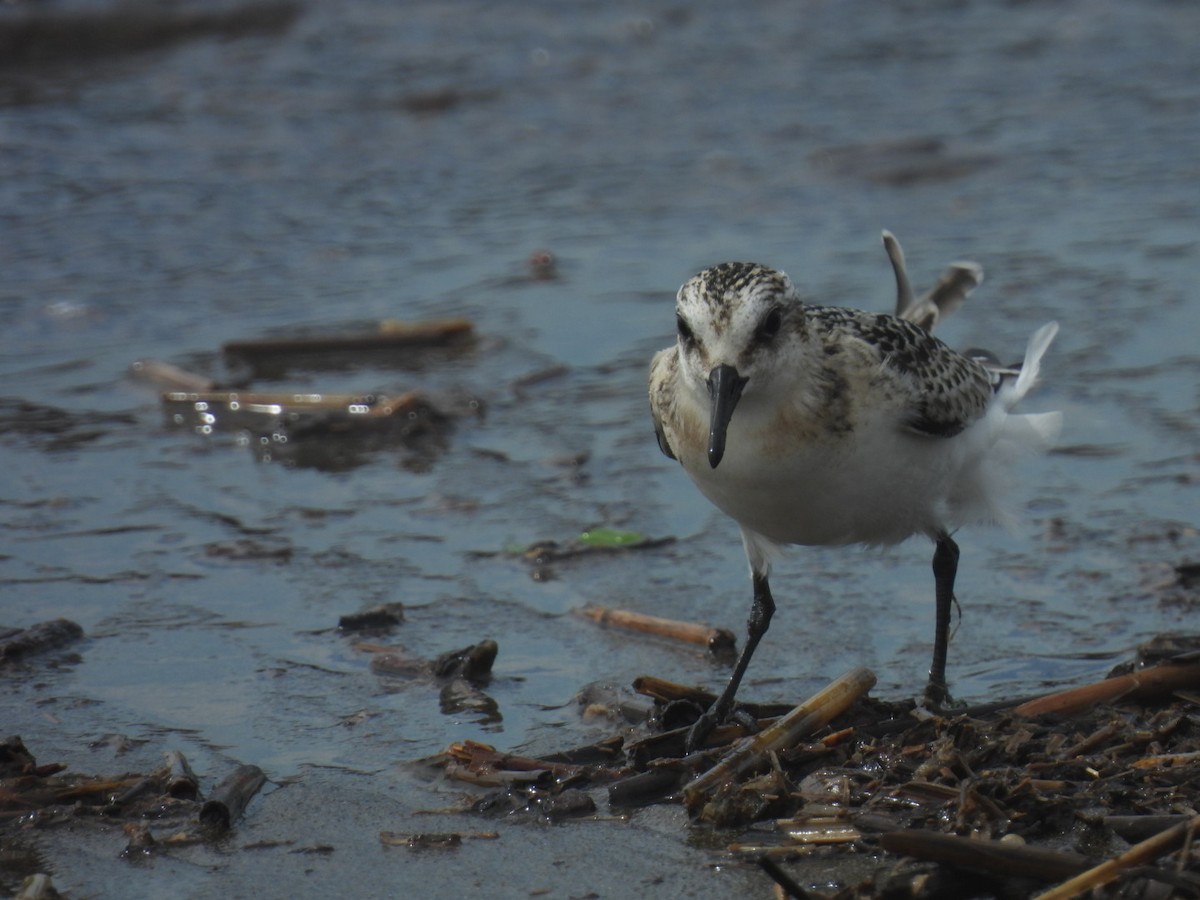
x,y
375,161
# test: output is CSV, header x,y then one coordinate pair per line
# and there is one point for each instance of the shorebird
x,y
827,426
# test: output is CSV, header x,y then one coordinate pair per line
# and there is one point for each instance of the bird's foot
x,y
936,696
703,727
700,731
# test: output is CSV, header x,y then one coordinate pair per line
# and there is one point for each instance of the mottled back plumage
x,y
950,390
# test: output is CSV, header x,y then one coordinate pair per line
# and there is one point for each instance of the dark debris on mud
x,y
1092,790
152,812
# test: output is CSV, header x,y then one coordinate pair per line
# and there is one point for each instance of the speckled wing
x,y
951,391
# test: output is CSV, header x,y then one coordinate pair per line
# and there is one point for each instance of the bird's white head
x,y
735,322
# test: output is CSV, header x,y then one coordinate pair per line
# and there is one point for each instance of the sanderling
x,y
829,426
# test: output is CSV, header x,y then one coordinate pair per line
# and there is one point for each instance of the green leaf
x,y
610,537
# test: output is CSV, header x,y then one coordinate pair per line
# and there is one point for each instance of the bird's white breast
x,y
795,482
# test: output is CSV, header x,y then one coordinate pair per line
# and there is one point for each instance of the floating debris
x,y
328,431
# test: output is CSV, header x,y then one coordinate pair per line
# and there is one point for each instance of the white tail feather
x,y
1037,347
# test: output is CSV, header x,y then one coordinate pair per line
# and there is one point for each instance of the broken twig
x,y
229,798
717,640
806,718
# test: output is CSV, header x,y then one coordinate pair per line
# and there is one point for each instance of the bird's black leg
x,y
945,567
756,626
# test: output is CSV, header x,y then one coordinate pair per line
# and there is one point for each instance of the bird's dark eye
x,y
684,329
770,325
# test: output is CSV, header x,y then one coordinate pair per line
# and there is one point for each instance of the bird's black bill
x,y
725,388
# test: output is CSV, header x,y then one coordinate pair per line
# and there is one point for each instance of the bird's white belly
x,y
875,488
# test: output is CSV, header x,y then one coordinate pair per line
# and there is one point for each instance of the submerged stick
x,y
806,718
1147,851
1148,684
717,640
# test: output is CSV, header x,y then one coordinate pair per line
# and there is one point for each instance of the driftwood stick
x,y
717,640
806,718
670,691
1093,741
988,856
1147,684
181,780
1147,851
229,798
